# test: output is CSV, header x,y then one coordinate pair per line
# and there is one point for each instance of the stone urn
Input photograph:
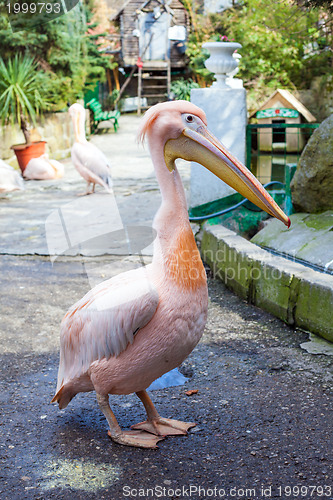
x,y
221,61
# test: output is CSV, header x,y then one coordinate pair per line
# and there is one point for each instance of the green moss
x,y
228,265
272,291
314,309
320,222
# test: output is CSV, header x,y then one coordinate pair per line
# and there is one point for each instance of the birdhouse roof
x,y
284,98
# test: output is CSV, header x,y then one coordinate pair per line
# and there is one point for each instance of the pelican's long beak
x,y
202,147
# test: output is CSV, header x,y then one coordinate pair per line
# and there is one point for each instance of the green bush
x,y
63,50
21,92
286,45
181,89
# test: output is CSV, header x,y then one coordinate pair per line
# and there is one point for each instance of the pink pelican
x,y
131,329
43,169
88,160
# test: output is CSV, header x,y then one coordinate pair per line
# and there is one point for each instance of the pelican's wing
x,y
104,322
93,160
57,167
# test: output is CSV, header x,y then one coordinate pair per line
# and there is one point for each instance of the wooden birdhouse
x,y
282,108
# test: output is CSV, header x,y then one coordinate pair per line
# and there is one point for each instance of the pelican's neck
x,y
79,127
170,183
171,219
175,250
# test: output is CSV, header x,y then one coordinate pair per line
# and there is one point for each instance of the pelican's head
x,y
78,115
184,129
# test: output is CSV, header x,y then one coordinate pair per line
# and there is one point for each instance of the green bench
x,y
100,116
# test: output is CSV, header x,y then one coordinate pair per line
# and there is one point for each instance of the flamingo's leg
x,y
140,439
158,425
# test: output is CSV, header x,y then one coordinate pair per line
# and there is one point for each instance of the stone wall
x,y
55,128
296,294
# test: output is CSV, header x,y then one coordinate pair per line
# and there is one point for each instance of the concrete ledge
x,y
294,293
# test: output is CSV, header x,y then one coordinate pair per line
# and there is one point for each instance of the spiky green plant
x,y
20,96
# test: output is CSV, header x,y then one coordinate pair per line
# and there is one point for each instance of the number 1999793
x,y
33,8
305,491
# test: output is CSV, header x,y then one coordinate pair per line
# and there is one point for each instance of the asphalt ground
x,y
263,405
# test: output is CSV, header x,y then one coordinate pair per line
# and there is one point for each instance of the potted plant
x,y
21,101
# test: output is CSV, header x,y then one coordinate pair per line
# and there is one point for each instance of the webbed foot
x,y
164,427
137,438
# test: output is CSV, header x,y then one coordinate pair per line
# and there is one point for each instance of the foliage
x,y
275,43
197,57
64,48
21,94
97,61
201,31
113,98
286,45
312,4
181,88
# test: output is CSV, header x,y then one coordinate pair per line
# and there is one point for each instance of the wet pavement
x,y
263,406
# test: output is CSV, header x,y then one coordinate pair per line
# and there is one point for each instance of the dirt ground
x,y
263,407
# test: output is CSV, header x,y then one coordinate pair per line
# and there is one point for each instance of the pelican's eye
x,y
189,118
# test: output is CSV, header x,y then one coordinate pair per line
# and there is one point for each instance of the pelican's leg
x,y
158,425
140,439
93,188
87,190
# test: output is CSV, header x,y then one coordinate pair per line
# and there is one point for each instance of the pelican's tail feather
x,y
107,182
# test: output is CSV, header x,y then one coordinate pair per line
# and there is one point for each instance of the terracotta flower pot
x,y
25,152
